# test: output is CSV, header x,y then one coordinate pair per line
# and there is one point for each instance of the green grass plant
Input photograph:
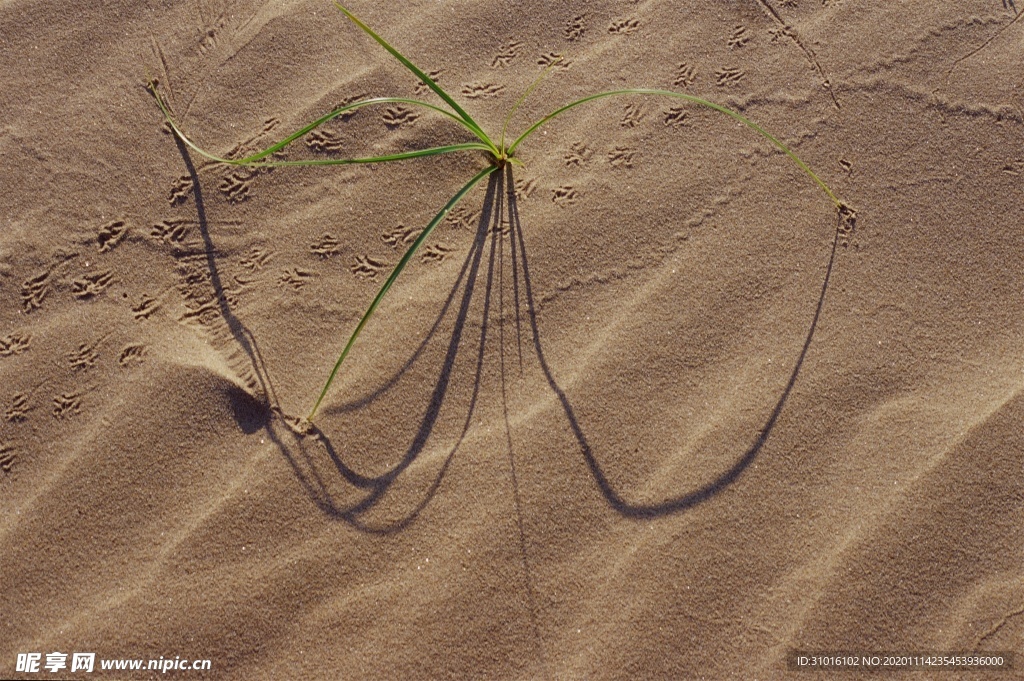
x,y
500,152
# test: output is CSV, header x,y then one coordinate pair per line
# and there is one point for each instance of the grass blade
x,y
427,80
526,93
255,158
693,100
394,275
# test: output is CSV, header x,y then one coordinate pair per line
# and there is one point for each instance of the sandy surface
x,y
647,415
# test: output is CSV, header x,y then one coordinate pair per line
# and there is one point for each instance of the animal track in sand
x,y
111,234
578,154
66,405
399,116
146,307
524,189
91,285
7,457
633,114
236,185
575,28
1015,167
400,235
676,117
685,75
18,413
208,36
324,140
482,90
623,26
511,51
173,230
366,267
621,157
504,227
565,195
15,344
132,355
549,58
326,246
462,217
34,290
421,87
847,225
728,76
256,259
352,99
435,254
739,37
84,357
181,188
295,278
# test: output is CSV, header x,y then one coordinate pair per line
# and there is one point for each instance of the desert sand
x,y
642,408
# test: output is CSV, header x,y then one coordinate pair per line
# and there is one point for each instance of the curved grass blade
x,y
522,98
254,159
694,100
394,275
427,80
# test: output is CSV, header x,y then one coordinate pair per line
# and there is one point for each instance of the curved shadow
x,y
378,486
707,491
298,441
263,411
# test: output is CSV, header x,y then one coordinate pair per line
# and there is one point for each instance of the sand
x,y
652,414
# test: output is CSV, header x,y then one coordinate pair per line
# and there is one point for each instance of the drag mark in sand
x,y
790,32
